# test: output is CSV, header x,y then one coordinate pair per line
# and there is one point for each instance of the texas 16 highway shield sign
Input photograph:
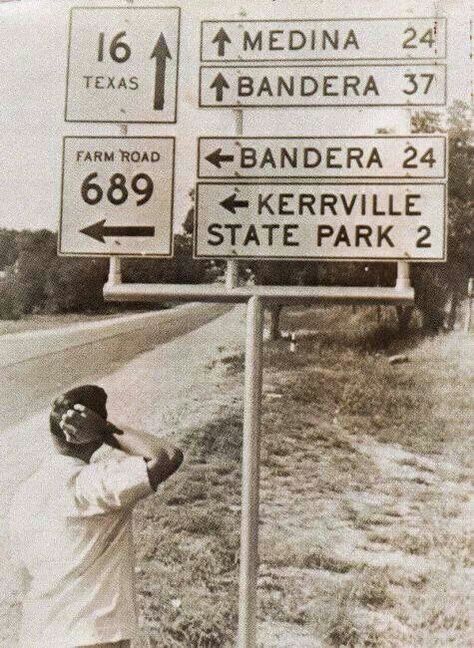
x,y
123,64
327,221
117,196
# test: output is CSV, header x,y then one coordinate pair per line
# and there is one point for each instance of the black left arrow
x,y
222,38
99,231
232,204
216,158
160,53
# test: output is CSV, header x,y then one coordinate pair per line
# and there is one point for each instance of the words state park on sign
x,y
358,221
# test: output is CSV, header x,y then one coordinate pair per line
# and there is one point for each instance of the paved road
x,y
37,366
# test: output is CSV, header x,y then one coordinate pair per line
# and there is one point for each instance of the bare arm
x,y
82,425
162,458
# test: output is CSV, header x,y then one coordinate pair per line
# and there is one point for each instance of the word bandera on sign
x,y
322,157
318,40
385,221
328,85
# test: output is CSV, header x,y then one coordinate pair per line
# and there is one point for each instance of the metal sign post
x,y
251,475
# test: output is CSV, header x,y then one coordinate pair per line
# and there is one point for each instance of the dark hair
x,y
90,396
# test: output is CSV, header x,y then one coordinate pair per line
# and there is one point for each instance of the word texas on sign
x,y
123,64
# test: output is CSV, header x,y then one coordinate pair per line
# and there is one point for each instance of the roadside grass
x,y
188,544
363,535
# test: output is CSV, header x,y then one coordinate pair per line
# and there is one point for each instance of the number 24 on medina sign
x,y
123,64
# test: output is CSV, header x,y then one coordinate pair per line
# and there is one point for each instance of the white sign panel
x,y
117,196
123,64
330,221
320,40
264,86
413,156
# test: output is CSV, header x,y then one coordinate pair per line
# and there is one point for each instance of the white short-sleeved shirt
x,y
71,532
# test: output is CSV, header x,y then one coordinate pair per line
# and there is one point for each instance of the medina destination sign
x,y
321,40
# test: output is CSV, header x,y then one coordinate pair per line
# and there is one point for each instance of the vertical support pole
x,y
403,275
403,267
247,636
232,274
115,272
232,270
470,299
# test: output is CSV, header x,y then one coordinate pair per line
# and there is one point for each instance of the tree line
x,y
35,279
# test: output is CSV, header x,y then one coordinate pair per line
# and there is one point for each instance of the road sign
x,y
117,196
413,156
327,221
123,64
264,86
321,40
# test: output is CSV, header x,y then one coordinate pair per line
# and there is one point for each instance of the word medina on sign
x,y
416,156
381,221
263,86
327,39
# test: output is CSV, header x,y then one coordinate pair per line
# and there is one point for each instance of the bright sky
x,y
33,52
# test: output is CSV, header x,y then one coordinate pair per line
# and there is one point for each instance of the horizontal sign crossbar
x,y
271,294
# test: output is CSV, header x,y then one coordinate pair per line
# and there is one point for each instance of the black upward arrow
x,y
160,53
232,204
99,231
222,38
216,158
219,84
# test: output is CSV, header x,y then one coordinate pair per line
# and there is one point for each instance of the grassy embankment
x,y
364,538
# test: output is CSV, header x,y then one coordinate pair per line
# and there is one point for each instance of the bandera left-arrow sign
x,y
99,231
